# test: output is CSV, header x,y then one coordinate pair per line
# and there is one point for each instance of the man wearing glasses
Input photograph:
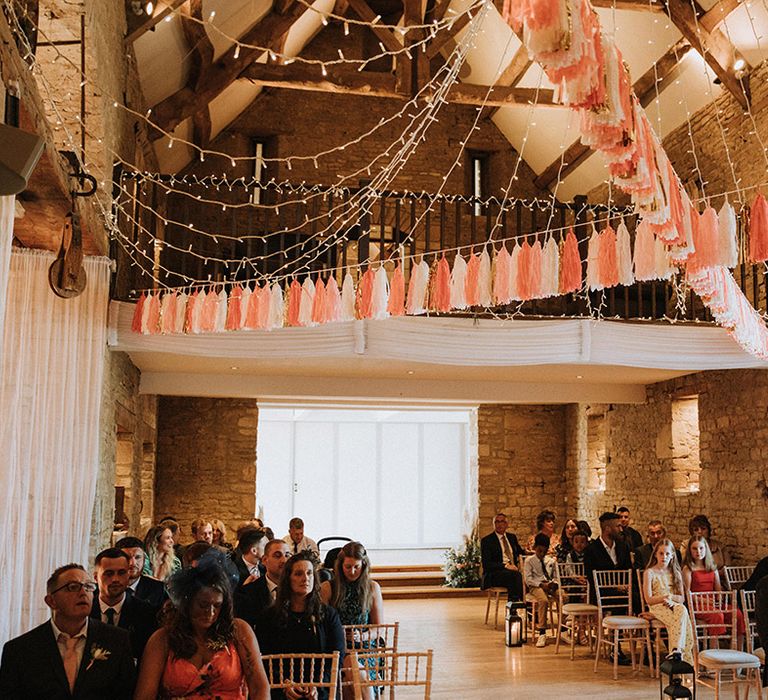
x,y
69,656
500,552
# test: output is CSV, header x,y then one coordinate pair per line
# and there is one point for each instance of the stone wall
x,y
644,472
127,451
521,464
206,460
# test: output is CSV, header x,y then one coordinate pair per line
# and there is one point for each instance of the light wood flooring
x,y
471,660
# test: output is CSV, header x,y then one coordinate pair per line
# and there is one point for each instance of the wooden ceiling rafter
x,y
386,36
220,74
713,46
201,55
646,87
151,22
514,72
717,13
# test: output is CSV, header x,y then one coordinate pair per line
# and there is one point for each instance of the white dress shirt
x,y
534,568
79,647
272,588
304,544
611,551
117,607
253,569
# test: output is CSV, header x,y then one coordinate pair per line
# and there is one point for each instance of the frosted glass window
x,y
392,478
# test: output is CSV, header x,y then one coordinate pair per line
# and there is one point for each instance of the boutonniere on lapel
x,y
97,654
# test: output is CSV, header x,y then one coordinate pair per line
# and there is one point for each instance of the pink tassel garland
x,y
758,230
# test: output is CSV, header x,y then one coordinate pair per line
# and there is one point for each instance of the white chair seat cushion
x,y
727,658
579,609
760,654
624,622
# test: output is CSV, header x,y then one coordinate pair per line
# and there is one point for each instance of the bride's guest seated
x,y
583,525
115,604
298,541
194,553
655,533
202,651
299,622
566,540
699,526
631,537
700,574
580,544
500,554
158,544
220,534
251,598
545,525
665,596
539,573
202,530
247,556
354,594
69,656
144,587
173,526
759,572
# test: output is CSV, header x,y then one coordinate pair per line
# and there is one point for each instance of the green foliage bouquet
x,y
462,565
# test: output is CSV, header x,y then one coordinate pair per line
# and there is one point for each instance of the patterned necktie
x,y
295,547
110,613
70,658
507,549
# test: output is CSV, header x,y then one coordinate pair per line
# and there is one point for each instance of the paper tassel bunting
x,y
758,230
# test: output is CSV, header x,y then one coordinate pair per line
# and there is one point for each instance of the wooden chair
x,y
748,608
573,605
713,614
403,669
657,626
367,639
313,670
494,592
613,590
736,576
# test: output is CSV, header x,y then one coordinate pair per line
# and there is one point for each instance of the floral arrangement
x,y
462,565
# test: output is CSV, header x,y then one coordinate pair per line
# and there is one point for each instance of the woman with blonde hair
x,y
664,594
159,547
220,534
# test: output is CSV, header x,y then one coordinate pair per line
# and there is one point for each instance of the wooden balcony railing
x,y
295,230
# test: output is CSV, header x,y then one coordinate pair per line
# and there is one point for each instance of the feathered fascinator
x,y
213,570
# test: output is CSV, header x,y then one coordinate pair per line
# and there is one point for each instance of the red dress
x,y
704,581
221,678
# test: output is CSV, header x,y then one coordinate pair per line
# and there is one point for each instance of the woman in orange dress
x,y
202,652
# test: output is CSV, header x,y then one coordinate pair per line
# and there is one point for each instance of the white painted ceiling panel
x,y
162,60
232,19
230,104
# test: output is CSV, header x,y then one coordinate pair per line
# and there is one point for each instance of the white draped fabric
x,y
461,341
7,205
50,396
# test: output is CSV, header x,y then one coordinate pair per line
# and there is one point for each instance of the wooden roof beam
x,y
218,76
652,82
714,47
151,22
719,12
632,5
386,36
201,55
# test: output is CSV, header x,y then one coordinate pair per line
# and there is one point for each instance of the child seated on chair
x,y
539,574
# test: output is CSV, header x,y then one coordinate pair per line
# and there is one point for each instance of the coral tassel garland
x,y
570,266
332,301
294,303
396,302
501,277
138,312
234,310
318,303
608,268
471,293
441,298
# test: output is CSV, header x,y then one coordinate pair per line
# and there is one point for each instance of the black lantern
x,y
514,625
676,670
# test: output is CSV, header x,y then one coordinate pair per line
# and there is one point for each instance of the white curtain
x,y
7,205
460,341
50,396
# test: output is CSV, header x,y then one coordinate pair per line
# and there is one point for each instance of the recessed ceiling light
x,y
410,371
739,64
234,368
578,376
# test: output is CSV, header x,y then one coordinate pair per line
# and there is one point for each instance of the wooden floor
x,y
471,660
